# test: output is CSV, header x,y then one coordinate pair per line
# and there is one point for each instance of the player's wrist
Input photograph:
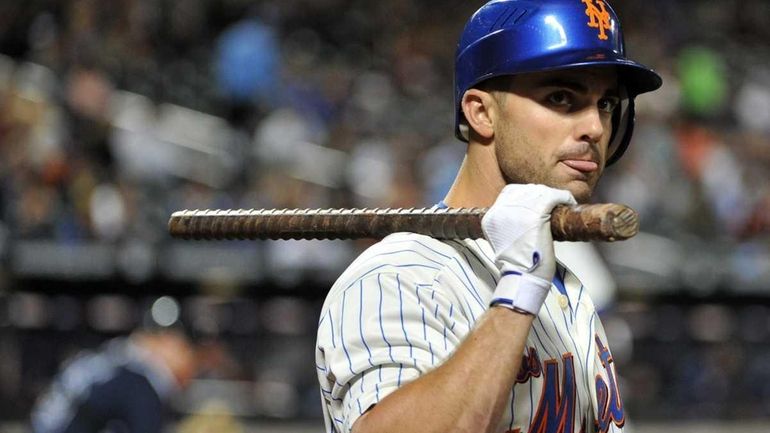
x,y
508,307
520,292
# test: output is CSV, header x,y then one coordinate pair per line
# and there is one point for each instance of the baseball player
x,y
495,335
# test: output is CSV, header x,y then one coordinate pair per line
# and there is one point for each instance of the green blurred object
x,y
703,80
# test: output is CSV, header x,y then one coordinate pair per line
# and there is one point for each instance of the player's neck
x,y
476,184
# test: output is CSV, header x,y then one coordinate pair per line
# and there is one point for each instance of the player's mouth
x,y
584,166
580,164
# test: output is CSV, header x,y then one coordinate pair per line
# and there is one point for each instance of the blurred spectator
x,y
247,62
125,385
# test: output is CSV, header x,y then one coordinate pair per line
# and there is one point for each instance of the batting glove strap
x,y
521,292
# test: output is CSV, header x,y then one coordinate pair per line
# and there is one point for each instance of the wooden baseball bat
x,y
590,222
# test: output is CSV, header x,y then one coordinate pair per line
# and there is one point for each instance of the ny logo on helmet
x,y
599,17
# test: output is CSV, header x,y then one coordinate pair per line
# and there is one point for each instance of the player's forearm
x,y
467,393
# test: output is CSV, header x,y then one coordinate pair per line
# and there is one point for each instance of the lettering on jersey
x,y
598,16
607,396
530,366
556,410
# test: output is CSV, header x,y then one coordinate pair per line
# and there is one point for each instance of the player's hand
x,y
518,228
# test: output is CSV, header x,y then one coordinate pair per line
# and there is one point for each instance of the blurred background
x,y
113,114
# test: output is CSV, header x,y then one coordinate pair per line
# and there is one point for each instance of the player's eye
x,y
560,98
609,104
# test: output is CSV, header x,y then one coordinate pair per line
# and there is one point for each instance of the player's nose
x,y
590,125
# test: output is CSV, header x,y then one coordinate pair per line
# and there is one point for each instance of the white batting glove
x,y
519,230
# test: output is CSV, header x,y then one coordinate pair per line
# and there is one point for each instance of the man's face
x,y
554,128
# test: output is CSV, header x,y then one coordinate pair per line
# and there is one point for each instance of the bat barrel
x,y
324,224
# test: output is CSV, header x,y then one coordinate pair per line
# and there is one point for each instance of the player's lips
x,y
581,165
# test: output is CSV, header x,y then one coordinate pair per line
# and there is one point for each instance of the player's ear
x,y
480,109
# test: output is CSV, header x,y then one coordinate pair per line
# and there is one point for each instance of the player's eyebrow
x,y
573,85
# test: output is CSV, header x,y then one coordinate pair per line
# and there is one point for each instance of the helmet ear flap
x,y
622,127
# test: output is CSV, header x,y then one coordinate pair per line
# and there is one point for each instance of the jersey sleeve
x,y
381,332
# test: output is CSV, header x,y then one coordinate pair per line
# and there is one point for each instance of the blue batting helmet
x,y
507,37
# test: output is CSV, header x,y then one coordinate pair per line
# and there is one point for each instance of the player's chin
x,y
582,195
580,184
582,190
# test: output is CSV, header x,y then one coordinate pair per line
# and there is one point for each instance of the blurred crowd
x,y
115,114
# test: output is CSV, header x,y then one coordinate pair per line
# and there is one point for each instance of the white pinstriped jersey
x,y
406,304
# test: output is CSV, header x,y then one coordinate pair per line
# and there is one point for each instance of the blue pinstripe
x,y
424,326
361,387
361,323
342,334
585,373
580,295
478,259
472,288
331,327
382,329
435,316
558,334
401,310
537,335
481,250
545,331
589,352
470,310
445,341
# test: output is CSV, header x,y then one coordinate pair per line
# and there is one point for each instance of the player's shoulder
x,y
413,256
413,242
401,251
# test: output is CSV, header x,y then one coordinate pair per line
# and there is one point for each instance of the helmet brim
x,y
635,77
